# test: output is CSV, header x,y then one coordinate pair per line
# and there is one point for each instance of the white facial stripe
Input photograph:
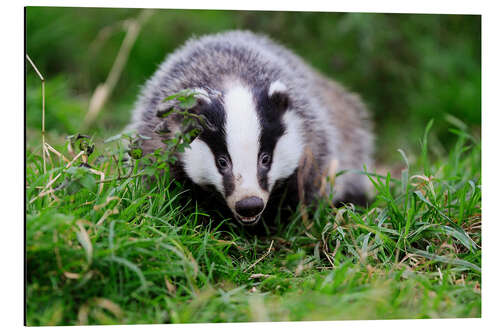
x,y
242,138
288,150
199,165
276,86
242,133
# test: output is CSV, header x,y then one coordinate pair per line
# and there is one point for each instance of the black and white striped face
x,y
253,141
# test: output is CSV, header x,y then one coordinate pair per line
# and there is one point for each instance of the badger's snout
x,y
249,207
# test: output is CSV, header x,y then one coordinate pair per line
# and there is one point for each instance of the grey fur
x,y
336,125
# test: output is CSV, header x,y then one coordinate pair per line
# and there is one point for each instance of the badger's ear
x,y
278,95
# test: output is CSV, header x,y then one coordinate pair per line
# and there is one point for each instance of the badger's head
x,y
252,139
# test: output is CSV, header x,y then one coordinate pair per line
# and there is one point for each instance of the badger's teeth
x,y
248,219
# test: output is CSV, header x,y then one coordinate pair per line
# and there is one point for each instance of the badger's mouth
x,y
248,220
247,209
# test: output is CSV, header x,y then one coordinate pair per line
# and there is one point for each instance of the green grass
x,y
133,253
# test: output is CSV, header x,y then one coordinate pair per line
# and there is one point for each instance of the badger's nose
x,y
249,207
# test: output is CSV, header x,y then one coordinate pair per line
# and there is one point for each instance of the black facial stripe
x,y
272,128
215,138
228,182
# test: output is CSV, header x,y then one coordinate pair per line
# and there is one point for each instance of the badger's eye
x,y
222,163
265,160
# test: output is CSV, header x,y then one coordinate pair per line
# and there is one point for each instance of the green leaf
x,y
73,187
88,181
451,261
136,153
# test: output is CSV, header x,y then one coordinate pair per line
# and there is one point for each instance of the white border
x,y
12,152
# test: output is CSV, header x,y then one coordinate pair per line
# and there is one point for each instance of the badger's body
x,y
273,120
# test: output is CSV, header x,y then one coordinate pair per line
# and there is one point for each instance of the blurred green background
x,y
408,68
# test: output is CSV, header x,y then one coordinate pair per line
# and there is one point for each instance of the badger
x,y
273,122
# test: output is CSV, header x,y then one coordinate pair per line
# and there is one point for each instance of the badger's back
x,y
334,123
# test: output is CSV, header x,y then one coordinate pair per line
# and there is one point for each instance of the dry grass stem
x,y
49,184
42,194
259,275
52,149
129,175
102,177
261,258
74,159
106,214
329,259
328,179
44,149
108,200
337,245
103,91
